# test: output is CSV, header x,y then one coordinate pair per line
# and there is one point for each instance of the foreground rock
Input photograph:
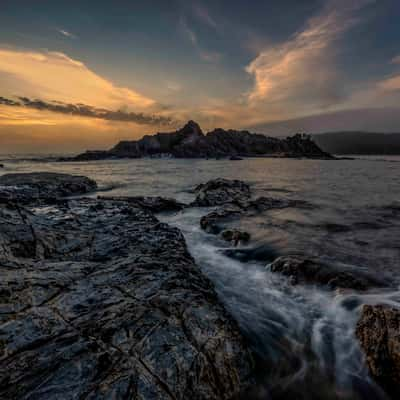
x,y
191,142
99,300
153,204
43,186
301,270
378,331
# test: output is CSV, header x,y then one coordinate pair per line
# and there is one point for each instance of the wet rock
x,y
263,253
301,270
235,236
43,186
100,300
220,191
1,165
378,331
212,222
154,204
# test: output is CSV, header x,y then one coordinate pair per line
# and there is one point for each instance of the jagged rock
x,y
190,142
301,269
212,221
235,235
154,204
100,300
43,186
378,331
220,191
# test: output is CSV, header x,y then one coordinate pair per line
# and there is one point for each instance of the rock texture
x,y
235,236
191,142
99,300
378,331
234,200
220,191
43,186
154,204
301,269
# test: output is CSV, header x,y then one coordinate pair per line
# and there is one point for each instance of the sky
x,y
78,75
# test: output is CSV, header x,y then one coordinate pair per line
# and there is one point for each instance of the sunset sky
x,y
85,74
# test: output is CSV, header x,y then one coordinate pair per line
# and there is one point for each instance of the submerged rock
x,y
301,269
43,186
100,300
1,165
235,236
220,191
212,222
378,331
154,204
235,158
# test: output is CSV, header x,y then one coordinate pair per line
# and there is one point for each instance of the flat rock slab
x,y
378,331
301,269
43,186
99,300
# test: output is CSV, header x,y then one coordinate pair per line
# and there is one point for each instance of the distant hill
x,y
359,143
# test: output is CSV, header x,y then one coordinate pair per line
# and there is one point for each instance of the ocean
x,y
303,335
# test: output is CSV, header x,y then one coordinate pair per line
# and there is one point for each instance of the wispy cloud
x,y
84,110
203,14
300,74
52,75
205,54
188,33
67,34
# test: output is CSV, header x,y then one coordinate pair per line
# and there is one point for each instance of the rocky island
x,y
191,142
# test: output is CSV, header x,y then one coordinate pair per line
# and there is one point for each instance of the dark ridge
x,y
365,143
191,142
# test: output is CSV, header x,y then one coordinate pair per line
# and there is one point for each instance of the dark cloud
x,y
84,110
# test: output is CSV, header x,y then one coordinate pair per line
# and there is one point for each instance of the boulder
x,y
43,186
378,331
99,300
302,269
220,191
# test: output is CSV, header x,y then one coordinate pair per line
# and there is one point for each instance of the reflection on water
x,y
304,336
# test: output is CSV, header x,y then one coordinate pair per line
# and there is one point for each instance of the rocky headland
x,y
191,142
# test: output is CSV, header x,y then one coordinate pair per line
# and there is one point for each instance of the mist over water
x,y
303,335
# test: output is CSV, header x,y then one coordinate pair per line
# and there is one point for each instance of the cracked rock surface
x,y
378,331
99,300
233,200
43,186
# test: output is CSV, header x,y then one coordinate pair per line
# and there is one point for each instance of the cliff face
x,y
191,142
